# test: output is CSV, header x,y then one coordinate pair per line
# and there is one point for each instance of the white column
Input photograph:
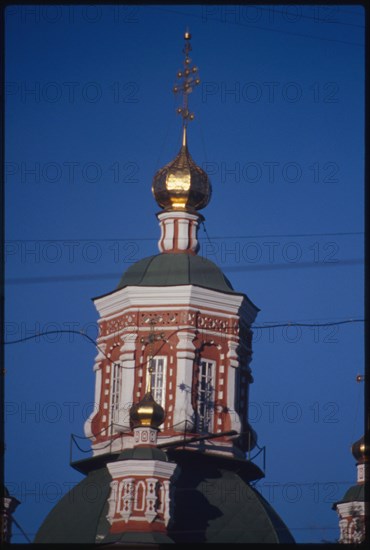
x,y
167,502
128,497
169,231
98,380
231,389
151,499
127,360
183,411
182,240
112,500
183,234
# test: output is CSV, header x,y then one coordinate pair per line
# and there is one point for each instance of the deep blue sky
x,y
280,128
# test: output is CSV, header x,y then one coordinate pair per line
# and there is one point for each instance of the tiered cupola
x,y
140,492
176,318
181,188
8,506
352,509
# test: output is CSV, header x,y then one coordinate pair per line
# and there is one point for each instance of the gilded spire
x,y
182,185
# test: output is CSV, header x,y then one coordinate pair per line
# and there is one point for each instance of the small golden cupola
x,y
181,187
146,413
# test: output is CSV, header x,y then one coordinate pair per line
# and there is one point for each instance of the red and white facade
x,y
140,490
201,354
179,232
352,510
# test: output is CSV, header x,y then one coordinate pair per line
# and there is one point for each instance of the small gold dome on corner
x,y
147,413
361,451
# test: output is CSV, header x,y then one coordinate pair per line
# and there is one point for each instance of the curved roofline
x,y
174,286
190,269
75,520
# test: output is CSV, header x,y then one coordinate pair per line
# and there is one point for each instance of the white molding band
x,y
172,296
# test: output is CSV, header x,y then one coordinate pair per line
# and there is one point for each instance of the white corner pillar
x,y
233,365
127,361
183,411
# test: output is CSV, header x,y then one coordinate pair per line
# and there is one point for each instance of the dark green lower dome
x,y
356,493
213,502
174,270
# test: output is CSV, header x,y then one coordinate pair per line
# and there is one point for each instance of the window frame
x,y
205,419
115,395
154,362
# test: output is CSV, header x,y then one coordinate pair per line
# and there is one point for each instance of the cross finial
x,y
187,79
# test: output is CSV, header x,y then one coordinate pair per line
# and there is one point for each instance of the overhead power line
x,y
231,268
249,25
91,340
224,237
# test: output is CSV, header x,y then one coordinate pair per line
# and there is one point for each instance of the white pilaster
x,y
231,386
112,500
183,411
98,381
127,360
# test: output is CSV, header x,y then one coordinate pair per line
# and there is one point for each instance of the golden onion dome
x,y
361,451
146,413
182,184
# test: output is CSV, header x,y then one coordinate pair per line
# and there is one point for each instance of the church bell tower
x,y
169,432
175,318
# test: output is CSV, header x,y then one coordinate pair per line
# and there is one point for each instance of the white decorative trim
x,y
151,499
183,413
129,340
183,235
184,295
98,384
169,231
346,509
142,468
232,354
186,340
100,356
234,417
112,500
363,470
127,498
350,530
185,239
148,308
144,435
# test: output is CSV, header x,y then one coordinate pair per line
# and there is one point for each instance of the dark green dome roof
x,y
213,502
176,269
143,453
356,493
